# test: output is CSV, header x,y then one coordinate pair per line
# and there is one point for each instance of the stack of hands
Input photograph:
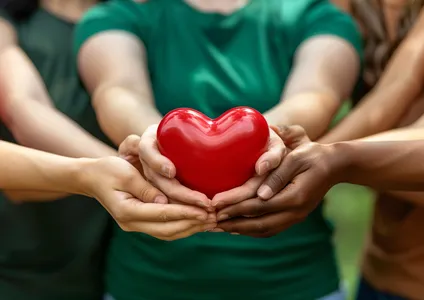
x,y
291,179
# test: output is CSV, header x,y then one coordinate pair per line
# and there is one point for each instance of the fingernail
x,y
161,199
265,192
263,168
217,230
166,171
223,217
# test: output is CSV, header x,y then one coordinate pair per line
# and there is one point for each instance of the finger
x,y
279,178
150,154
265,226
133,210
272,157
254,207
288,199
144,191
238,194
129,147
193,230
293,136
175,190
172,230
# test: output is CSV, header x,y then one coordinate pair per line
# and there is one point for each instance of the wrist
x,y
342,154
82,184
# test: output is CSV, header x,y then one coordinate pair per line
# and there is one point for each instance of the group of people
x,y
87,83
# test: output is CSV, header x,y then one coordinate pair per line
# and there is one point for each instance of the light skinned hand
x,y
298,185
270,160
130,200
161,172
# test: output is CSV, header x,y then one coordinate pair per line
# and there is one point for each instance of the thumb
x,y
278,179
293,136
144,191
129,147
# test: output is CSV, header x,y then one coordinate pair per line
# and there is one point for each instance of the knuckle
x,y
276,180
146,194
120,214
298,129
163,216
260,207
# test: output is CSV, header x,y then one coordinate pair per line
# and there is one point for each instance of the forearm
x,y
27,169
399,134
367,119
120,113
402,134
384,165
312,111
382,109
20,196
39,126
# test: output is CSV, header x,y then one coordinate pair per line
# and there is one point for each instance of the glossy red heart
x,y
212,156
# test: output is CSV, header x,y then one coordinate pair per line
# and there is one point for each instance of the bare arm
x,y
325,71
28,169
386,165
398,88
28,111
112,64
412,132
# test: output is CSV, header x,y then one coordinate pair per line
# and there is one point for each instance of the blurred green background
x,y
349,207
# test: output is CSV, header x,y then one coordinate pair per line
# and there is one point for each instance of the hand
x,y
135,204
267,162
297,186
161,172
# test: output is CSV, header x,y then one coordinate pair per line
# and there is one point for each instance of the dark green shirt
x,y
212,63
54,250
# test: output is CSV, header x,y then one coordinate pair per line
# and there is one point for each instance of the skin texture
x,y
306,174
113,66
22,104
114,182
397,90
397,100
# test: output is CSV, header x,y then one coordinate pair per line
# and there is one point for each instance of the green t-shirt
x,y
212,63
53,250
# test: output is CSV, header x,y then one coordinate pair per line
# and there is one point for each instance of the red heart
x,y
212,156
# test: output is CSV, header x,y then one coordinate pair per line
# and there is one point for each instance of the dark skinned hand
x,y
289,193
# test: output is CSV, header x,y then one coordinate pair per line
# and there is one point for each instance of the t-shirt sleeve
x,y
121,15
321,17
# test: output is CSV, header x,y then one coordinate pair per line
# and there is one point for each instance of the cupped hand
x,y
268,161
161,172
136,205
297,186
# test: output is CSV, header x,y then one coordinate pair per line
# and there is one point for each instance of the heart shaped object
x,y
213,156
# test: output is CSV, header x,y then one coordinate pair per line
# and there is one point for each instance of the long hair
x,y
19,9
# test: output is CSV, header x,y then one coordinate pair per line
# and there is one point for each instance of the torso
x,y
207,61
53,250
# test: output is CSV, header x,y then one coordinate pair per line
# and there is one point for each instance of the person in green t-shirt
x,y
294,61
